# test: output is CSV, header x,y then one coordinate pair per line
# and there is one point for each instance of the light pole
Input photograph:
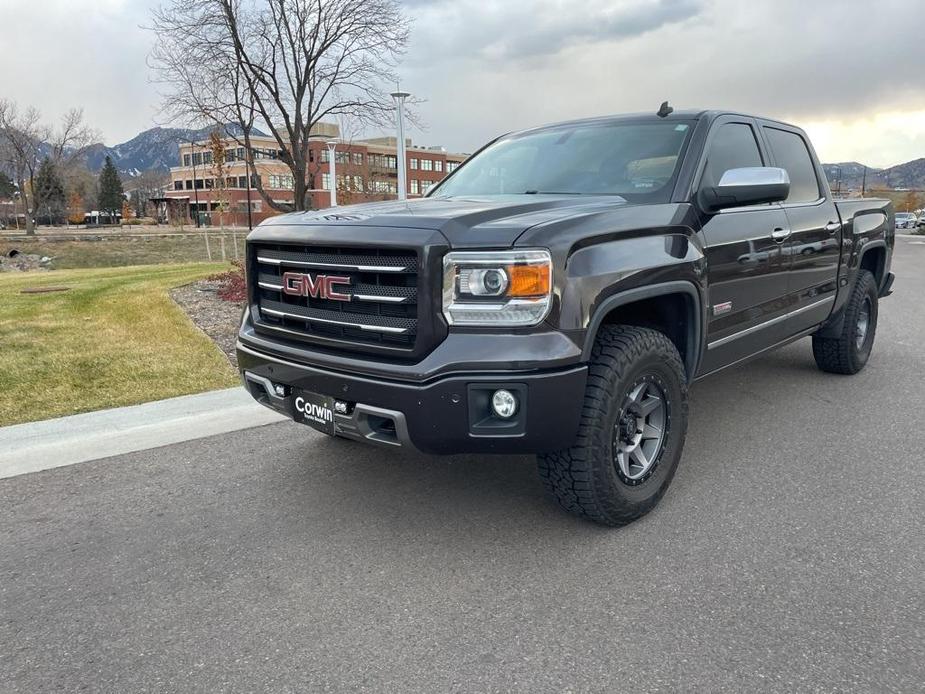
x,y
400,118
332,171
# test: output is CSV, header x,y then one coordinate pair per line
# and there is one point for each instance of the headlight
x,y
503,288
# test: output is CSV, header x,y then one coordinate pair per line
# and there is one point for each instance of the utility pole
x,y
864,183
332,168
402,163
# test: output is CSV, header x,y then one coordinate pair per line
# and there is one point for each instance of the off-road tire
x,y
843,354
585,479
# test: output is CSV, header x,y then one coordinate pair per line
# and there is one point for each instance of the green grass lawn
x,y
115,338
120,250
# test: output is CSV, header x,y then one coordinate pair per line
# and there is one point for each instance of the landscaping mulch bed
x,y
217,318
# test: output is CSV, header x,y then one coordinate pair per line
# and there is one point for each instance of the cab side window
x,y
733,147
790,153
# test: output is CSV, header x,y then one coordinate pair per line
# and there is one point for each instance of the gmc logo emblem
x,y
317,286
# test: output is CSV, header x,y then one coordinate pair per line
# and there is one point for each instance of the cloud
x,y
849,69
487,69
506,31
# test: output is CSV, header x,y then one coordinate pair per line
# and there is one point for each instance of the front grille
x,y
382,311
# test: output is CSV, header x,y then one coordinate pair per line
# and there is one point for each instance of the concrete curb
x,y
79,438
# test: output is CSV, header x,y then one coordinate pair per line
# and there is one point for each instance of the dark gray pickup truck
x,y
559,292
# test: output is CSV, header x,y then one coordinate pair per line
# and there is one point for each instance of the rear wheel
x,y
632,429
849,352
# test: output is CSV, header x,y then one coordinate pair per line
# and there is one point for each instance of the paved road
x,y
787,556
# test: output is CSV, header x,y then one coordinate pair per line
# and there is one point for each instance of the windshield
x,y
638,161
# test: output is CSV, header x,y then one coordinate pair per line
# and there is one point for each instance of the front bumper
x,y
447,414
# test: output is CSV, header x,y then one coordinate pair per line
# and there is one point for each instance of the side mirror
x,y
754,185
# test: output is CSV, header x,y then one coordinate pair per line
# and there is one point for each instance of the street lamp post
x,y
402,163
192,157
332,171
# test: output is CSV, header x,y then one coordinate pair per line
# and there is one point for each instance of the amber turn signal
x,y
528,280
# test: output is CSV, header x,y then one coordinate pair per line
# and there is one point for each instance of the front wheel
x,y
849,352
632,429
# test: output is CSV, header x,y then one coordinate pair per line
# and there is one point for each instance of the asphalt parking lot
x,y
787,555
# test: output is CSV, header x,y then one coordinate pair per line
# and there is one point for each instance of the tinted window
x,y
790,153
638,161
733,147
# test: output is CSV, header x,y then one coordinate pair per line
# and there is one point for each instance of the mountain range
x,y
156,149
851,176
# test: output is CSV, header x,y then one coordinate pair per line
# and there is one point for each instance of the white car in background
x,y
905,220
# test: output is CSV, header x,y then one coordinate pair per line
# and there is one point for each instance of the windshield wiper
x,y
549,192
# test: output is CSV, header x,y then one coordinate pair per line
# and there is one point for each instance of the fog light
x,y
280,390
340,407
504,404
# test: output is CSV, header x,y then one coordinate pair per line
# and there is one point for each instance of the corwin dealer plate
x,y
313,409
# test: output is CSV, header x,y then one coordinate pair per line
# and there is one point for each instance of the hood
x,y
466,222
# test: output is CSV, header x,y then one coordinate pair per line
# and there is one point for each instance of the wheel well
x,y
675,315
874,260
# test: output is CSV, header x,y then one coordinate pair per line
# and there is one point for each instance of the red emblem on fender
x,y
315,286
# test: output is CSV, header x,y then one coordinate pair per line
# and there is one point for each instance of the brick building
x,y
366,170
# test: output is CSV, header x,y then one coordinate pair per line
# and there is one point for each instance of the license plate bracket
x,y
313,409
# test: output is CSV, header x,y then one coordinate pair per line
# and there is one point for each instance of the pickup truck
x,y
559,292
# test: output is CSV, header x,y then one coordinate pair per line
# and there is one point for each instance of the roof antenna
x,y
664,110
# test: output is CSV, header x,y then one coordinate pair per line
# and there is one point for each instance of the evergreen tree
x,y
50,200
6,186
111,197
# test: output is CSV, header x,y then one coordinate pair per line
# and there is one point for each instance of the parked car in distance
x,y
921,222
905,220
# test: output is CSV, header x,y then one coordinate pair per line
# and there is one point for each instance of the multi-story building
x,y
366,170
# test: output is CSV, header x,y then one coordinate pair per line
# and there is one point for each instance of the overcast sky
x,y
851,72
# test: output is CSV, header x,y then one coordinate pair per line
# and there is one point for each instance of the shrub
x,y
232,286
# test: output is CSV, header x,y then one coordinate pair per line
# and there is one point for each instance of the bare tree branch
x,y
284,64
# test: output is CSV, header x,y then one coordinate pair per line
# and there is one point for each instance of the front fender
x,y
596,273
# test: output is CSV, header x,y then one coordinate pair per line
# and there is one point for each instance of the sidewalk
x,y
78,438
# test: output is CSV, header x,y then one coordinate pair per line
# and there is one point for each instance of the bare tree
x,y
143,187
285,64
21,138
72,139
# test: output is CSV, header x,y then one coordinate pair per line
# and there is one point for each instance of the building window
x,y
281,181
451,166
438,165
178,185
415,186
382,187
326,181
197,158
358,158
207,157
383,161
426,185
342,157
325,155
198,184
186,160
427,164
414,163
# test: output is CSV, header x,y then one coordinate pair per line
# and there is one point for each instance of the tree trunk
x,y
30,224
299,192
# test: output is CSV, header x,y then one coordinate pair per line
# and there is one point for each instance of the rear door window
x,y
790,153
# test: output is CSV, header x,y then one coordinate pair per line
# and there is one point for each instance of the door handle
x,y
780,234
832,227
